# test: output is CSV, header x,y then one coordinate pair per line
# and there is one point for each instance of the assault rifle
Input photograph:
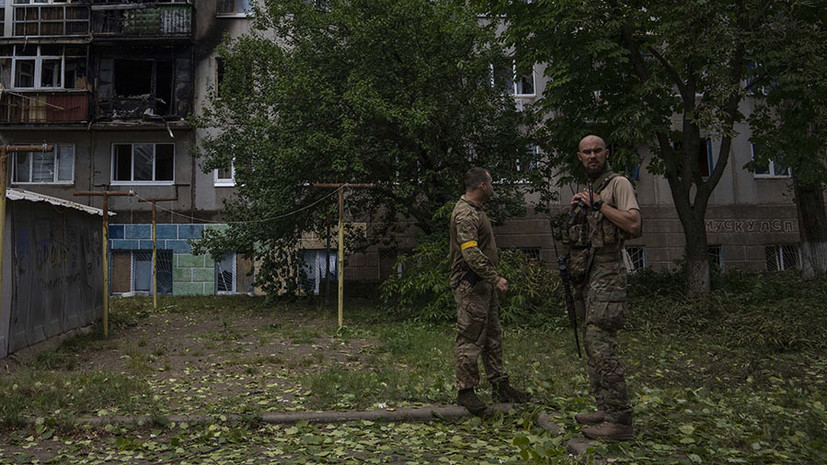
x,y
562,265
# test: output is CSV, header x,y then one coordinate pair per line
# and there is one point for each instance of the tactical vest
x,y
589,233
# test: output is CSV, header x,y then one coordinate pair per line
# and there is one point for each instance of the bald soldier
x,y
604,215
475,282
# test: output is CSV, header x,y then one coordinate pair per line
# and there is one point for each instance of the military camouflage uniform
x,y
473,255
595,247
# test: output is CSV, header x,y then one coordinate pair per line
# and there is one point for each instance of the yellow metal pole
x,y
105,258
155,247
105,262
340,258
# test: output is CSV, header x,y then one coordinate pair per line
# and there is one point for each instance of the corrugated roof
x,y
20,194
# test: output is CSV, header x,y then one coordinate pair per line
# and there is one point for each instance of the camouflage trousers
x,y
479,335
601,305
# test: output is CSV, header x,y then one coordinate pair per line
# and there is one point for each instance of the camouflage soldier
x,y
474,280
604,215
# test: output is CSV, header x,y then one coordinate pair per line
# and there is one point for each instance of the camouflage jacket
x,y
472,245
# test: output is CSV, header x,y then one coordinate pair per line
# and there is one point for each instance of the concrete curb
x,y
449,413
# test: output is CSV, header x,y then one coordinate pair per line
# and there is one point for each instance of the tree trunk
x,y
812,227
697,259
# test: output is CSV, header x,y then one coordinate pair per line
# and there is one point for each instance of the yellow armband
x,y
468,244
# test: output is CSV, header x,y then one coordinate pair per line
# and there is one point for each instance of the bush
x,y
754,310
421,291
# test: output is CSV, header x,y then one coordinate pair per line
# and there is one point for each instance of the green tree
x,y
657,74
397,93
789,121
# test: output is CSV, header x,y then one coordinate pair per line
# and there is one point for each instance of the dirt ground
x,y
206,362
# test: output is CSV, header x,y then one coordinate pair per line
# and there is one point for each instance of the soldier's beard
x,y
594,173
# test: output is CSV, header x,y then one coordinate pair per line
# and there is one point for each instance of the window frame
x,y
132,181
771,171
715,252
37,75
56,157
778,254
225,182
235,13
638,257
231,259
515,81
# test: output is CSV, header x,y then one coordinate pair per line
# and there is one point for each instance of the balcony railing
x,y
142,20
51,20
44,107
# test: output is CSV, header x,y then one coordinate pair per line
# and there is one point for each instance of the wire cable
x,y
283,215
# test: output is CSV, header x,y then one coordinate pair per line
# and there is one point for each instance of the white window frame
x,y
317,267
37,76
778,256
237,5
132,181
56,172
635,258
772,169
225,182
231,259
516,88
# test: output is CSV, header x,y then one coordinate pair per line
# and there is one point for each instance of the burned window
x,y
133,78
145,80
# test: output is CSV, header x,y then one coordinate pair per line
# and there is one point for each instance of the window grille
x,y
782,257
636,257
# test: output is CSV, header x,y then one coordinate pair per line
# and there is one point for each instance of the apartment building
x,y
110,84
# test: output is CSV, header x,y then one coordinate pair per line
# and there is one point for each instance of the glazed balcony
x,y
50,20
142,20
50,107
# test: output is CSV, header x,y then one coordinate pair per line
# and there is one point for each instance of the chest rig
x,y
588,232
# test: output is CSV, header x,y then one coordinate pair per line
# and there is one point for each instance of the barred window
x,y
782,257
636,255
530,252
716,255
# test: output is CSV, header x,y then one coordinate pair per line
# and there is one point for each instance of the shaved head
x,y
591,140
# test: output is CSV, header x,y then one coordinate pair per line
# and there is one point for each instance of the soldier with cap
x,y
475,282
604,215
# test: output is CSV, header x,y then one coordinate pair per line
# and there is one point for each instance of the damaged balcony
x,y
44,107
151,87
171,20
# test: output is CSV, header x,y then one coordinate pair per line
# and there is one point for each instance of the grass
x,y
737,377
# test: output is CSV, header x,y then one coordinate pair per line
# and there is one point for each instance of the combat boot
x,y
504,392
468,398
610,431
593,418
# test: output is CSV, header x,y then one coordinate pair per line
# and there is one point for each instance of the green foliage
x,y
421,290
629,71
697,396
759,311
34,390
393,93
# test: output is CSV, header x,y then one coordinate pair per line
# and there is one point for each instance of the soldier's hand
x,y
502,284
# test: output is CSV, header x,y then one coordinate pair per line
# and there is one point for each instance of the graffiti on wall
x,y
57,283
